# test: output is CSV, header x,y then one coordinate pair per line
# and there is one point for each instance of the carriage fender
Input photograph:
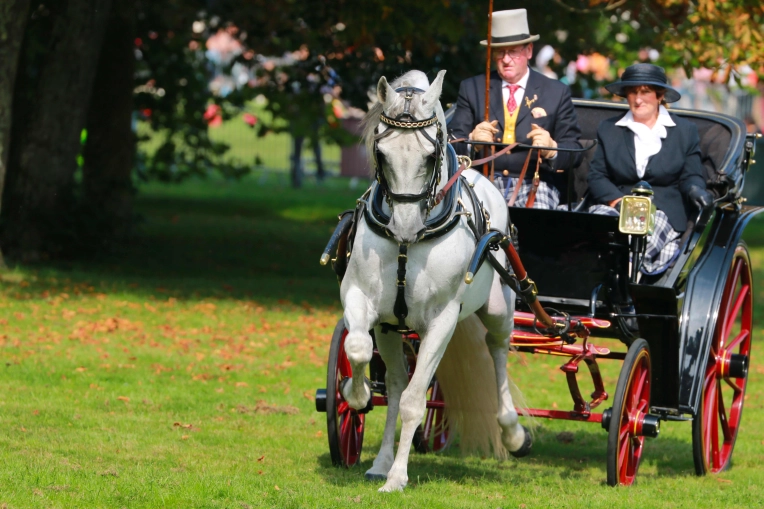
x,y
702,298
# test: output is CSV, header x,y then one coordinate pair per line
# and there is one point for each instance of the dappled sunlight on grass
x,y
180,371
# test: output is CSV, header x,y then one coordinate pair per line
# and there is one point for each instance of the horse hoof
x,y
375,477
369,406
525,449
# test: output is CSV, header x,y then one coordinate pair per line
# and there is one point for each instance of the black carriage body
x,y
580,262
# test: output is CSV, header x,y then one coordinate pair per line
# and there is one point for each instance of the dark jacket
x,y
551,95
671,172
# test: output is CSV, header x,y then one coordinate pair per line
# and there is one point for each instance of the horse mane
x,y
370,121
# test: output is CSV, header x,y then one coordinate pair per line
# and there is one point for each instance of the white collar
x,y
523,83
664,119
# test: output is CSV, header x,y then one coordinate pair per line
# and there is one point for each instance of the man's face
x,y
512,61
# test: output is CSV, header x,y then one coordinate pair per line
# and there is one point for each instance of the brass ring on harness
x,y
465,160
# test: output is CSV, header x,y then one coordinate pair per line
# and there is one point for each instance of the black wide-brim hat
x,y
644,74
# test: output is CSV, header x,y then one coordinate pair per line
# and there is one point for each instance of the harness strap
x,y
400,309
520,179
463,166
535,186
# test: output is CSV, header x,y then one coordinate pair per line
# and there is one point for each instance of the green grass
x,y
271,151
180,371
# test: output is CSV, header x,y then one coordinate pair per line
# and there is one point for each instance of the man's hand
x,y
541,138
484,131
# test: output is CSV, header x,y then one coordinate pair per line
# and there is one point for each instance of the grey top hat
x,y
644,74
510,28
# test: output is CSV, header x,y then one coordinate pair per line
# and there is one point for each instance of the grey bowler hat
x,y
510,28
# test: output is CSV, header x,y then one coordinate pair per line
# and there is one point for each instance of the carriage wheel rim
x,y
721,417
636,402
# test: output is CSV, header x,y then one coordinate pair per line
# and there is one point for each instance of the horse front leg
x,y
359,348
396,379
414,398
498,317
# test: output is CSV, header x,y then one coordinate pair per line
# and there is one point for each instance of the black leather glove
x,y
700,197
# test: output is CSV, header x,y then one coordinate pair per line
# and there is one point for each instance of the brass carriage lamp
x,y
638,211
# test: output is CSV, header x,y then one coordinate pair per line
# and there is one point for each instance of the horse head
x,y
407,145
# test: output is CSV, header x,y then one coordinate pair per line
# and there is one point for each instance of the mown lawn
x,y
180,372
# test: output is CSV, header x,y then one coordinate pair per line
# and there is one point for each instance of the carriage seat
x,y
714,143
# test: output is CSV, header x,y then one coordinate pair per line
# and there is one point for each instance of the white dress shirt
x,y
647,141
519,93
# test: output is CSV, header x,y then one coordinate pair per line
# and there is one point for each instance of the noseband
x,y
407,121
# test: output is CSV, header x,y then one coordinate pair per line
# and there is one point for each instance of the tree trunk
x,y
13,20
55,89
110,147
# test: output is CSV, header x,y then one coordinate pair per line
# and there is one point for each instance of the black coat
x,y
671,172
551,95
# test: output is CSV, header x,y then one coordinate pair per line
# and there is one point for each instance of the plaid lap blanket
x,y
662,245
547,197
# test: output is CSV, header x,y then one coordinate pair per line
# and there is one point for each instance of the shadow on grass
x,y
214,240
571,461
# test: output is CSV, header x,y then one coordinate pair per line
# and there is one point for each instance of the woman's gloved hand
x,y
700,197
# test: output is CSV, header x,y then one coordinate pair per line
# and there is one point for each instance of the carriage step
x,y
524,319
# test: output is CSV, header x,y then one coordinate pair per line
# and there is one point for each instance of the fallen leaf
x,y
185,437
123,398
277,488
261,458
242,384
80,369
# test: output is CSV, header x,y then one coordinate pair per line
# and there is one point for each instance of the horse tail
x,y
467,377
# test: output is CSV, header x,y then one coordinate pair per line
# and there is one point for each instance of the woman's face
x,y
644,102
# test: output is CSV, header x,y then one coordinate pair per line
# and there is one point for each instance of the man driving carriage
x,y
525,107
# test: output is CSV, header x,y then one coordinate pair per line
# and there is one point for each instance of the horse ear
x,y
433,92
384,90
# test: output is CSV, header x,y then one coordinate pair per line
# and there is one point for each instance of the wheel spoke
x,y
730,319
738,339
723,416
639,385
729,293
714,432
734,386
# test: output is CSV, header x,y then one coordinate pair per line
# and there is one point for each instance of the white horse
x,y
433,285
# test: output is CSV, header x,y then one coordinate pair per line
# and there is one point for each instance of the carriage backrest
x,y
714,139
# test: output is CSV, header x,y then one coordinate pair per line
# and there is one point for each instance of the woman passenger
x,y
652,145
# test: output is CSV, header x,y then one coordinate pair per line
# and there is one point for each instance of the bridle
x,y
407,121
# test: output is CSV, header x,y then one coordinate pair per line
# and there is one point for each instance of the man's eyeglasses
x,y
513,53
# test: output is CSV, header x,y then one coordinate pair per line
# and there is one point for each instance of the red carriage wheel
x,y
631,403
432,435
717,421
345,426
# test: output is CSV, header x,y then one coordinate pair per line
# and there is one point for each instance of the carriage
x,y
686,332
